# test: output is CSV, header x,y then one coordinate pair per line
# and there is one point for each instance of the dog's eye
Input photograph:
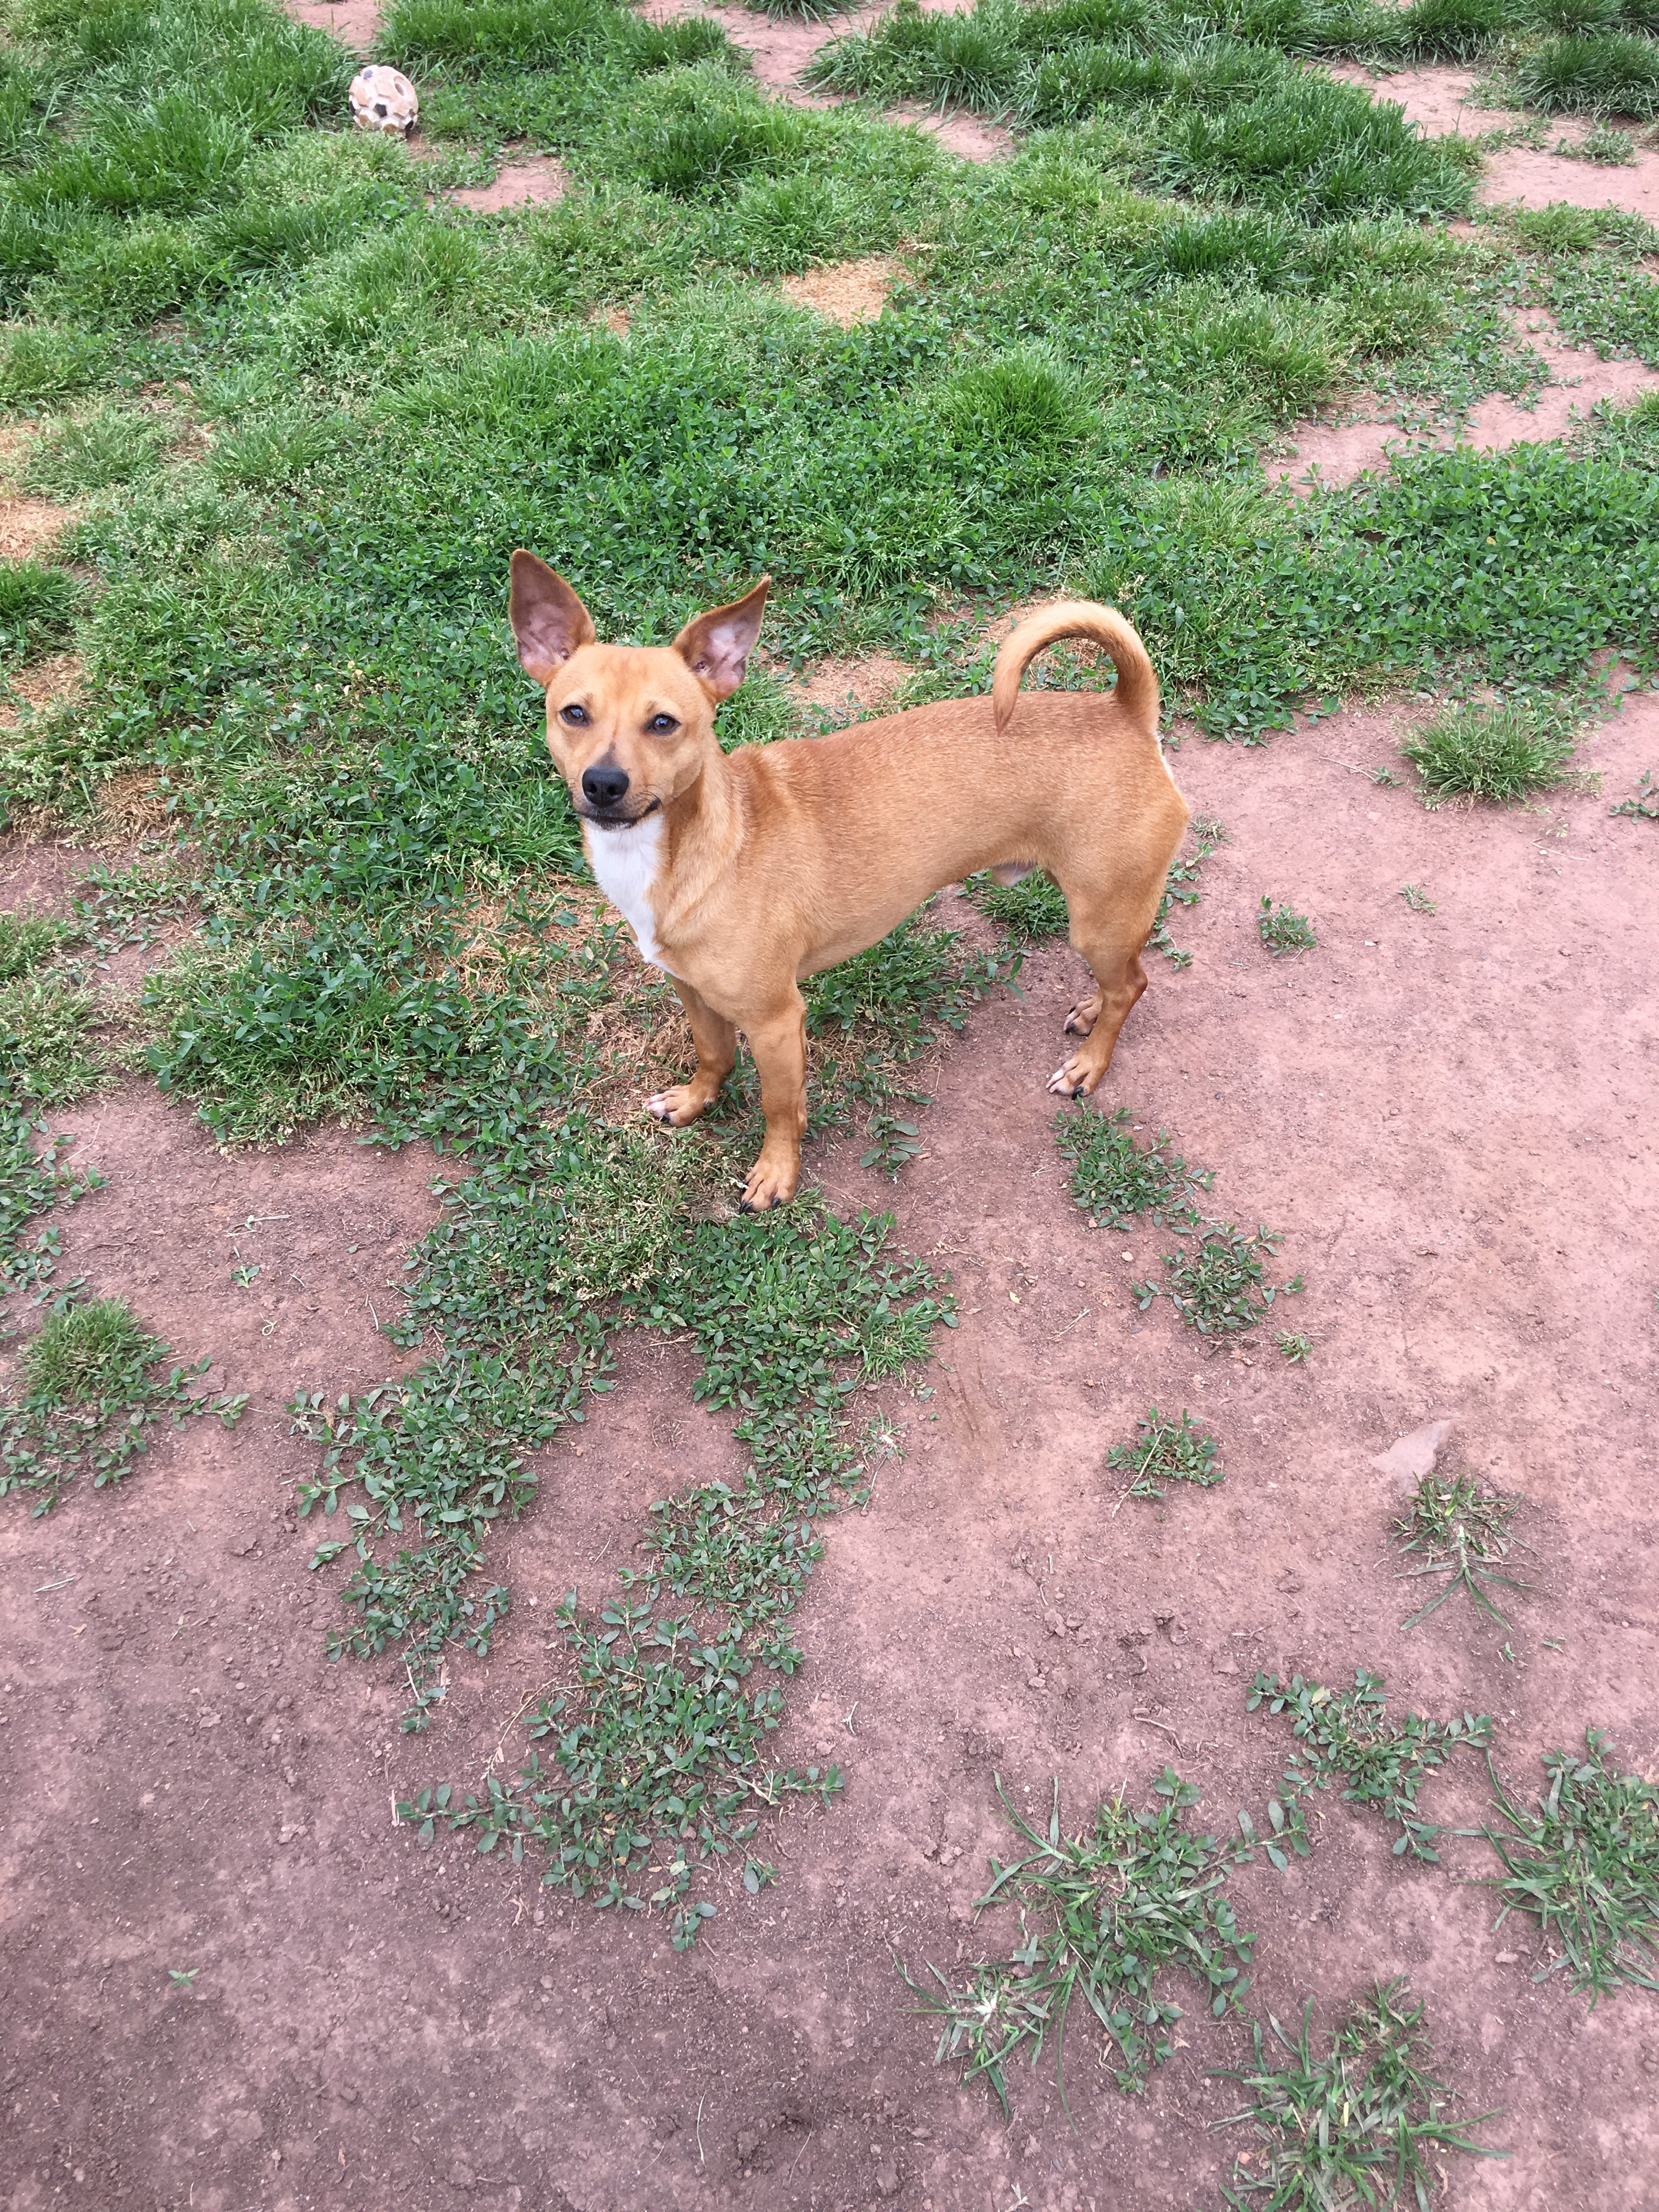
x,y
660,724
573,714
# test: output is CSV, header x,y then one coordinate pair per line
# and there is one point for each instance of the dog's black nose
x,y
604,786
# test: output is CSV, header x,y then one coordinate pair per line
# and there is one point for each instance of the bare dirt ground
x,y
1450,1117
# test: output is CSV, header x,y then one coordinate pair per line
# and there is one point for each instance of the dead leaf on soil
x,y
42,684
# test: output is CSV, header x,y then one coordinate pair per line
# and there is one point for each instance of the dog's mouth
x,y
617,817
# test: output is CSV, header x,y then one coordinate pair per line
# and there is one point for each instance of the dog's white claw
x,y
660,1106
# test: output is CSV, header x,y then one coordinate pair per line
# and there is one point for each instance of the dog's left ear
x,y
716,646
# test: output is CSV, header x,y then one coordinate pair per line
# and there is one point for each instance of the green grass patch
x,y
1349,1736
1642,804
1165,1450
1362,2121
1461,1531
1497,754
1113,1180
1218,1284
1282,930
37,607
92,1391
1101,1915
1599,72
1583,1865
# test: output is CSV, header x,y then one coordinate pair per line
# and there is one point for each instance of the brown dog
x,y
741,874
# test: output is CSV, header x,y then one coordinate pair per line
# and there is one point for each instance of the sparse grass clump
x,y
1115,1180
1363,2123
91,1393
1348,1734
1219,1286
1498,754
1462,1531
1584,1865
1282,930
1165,1450
1101,1914
37,607
1643,806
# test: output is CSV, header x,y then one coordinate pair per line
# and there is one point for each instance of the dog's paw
x,y
1082,1018
768,1185
676,1106
1075,1080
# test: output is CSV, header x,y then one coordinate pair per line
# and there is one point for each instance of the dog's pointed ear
x,y
716,646
548,620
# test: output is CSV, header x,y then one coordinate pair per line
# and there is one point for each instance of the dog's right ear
x,y
548,620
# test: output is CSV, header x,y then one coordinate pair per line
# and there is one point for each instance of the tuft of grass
x,y
1462,1531
1643,806
89,452
47,1053
1610,148
1219,1286
91,1394
1282,930
1101,1915
1498,754
1113,1180
1363,2122
1583,1863
1348,1735
37,607
1417,899
28,941
1594,73
1165,1450
1298,1350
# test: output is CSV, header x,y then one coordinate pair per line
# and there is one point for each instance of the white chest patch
x,y
625,862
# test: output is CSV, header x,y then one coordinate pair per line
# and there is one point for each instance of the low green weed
x,y
28,941
1282,930
33,1183
91,1394
1584,1864
1462,1531
1496,754
1348,1735
1165,1450
1363,2122
47,1053
1113,1180
1643,805
1101,1915
1417,899
1218,1286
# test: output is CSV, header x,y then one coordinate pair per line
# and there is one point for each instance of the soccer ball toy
x,y
384,99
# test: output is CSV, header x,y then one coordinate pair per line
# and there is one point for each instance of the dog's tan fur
x,y
779,861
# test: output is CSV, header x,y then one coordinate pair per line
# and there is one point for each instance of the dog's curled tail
x,y
1137,680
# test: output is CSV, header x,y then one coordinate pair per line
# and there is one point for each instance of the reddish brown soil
x,y
355,23
1337,453
536,182
1450,1117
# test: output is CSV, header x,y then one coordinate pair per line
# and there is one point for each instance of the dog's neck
x,y
705,830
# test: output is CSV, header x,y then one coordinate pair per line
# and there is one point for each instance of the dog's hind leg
x,y
1108,928
716,1040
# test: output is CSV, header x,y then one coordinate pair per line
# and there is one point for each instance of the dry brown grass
x,y
848,293
29,525
131,805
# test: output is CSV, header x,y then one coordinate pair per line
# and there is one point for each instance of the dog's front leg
x,y
716,1040
779,1045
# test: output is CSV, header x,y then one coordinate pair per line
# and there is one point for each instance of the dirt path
x,y
1448,1115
